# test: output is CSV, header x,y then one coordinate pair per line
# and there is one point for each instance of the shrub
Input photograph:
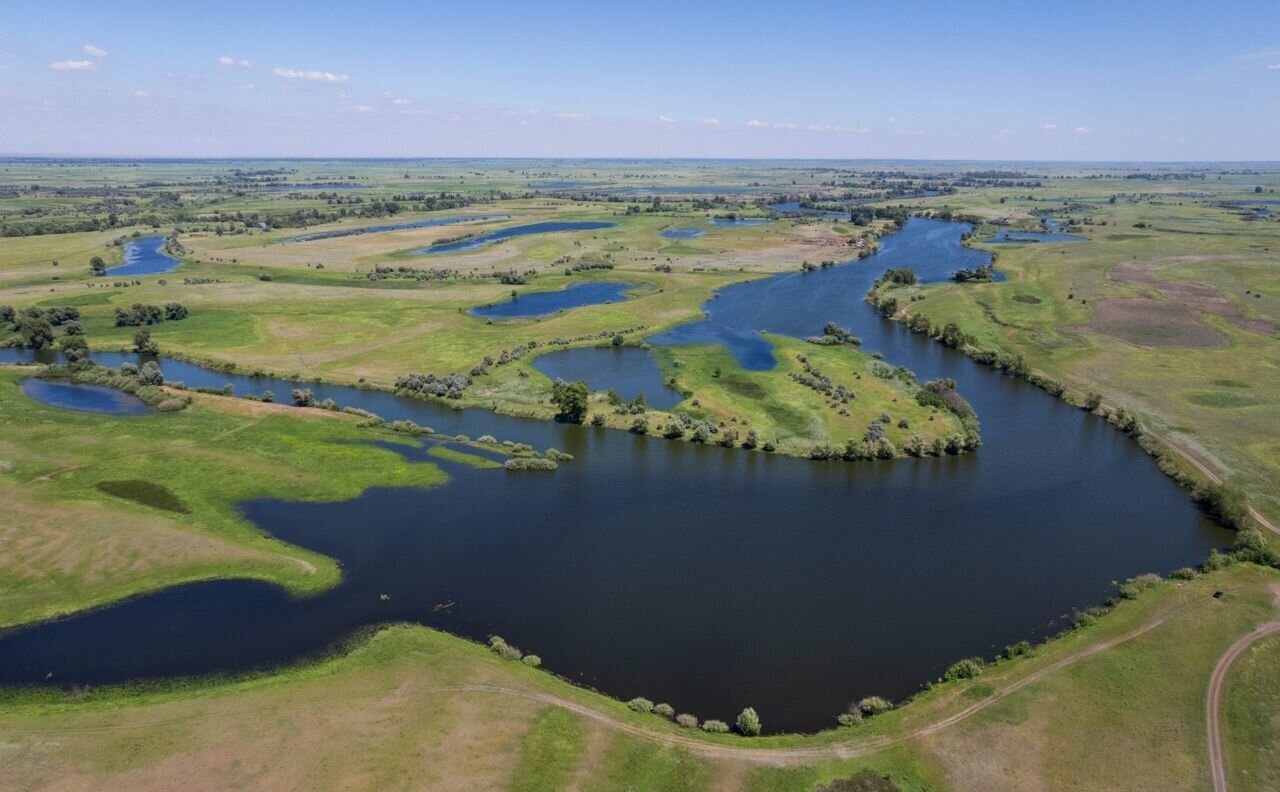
x,y
687,721
748,723
490,439
1134,586
665,710
1186,573
640,704
874,705
967,668
530,463
302,397
847,719
1019,649
532,660
715,726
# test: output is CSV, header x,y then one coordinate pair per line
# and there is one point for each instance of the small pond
x,y
375,229
68,395
739,221
682,233
549,302
472,243
1007,236
145,256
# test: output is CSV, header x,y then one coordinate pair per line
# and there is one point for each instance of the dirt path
x,y
1213,700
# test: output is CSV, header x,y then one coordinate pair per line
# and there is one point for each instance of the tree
x,y
570,399
749,722
151,374
143,344
34,331
302,397
97,266
75,348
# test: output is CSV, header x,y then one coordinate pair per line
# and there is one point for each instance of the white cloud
x,y
141,94
95,51
1006,131
787,125
754,123
314,76
1082,130
570,116
666,119
1274,67
227,60
73,65
1048,125
710,121
400,100
358,109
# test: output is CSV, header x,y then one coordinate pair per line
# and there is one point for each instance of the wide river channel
x,y
712,579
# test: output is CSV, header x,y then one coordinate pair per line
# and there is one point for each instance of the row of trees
x,y
140,314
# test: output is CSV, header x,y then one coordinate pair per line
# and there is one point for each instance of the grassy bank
x,y
72,483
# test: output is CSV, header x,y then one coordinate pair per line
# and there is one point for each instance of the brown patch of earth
x,y
1153,323
1196,296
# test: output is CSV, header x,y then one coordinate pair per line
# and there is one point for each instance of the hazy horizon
x,y
1098,82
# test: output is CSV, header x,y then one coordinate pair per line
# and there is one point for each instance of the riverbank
x,y
1039,716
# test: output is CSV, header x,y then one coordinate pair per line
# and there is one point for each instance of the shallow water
x,y
682,233
509,233
1007,236
145,256
739,221
376,229
80,397
549,302
710,578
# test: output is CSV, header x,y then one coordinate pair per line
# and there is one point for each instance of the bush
x,y
748,723
530,463
1134,586
490,439
847,719
687,721
874,705
715,726
968,668
532,660
640,704
1019,649
665,710
1186,573
302,397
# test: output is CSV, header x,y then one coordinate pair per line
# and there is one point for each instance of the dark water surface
x,y
739,221
145,256
516,231
549,302
682,233
710,578
83,398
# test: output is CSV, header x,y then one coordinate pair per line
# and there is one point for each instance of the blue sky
x,y
1031,80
